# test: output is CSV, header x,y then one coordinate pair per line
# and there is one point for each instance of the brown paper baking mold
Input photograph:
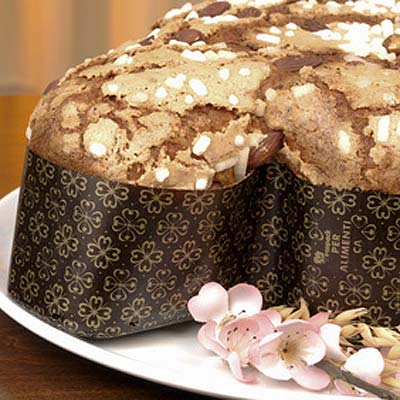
x,y
338,249
102,259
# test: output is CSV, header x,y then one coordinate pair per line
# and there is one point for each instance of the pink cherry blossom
x,y
291,353
320,319
272,315
214,303
330,334
233,341
367,364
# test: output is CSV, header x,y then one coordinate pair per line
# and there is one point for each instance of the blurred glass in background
x,y
41,39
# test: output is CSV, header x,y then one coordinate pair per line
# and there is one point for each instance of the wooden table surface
x,y
31,368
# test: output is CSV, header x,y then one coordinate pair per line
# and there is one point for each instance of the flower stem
x,y
348,377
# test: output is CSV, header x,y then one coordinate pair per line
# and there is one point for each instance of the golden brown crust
x,y
186,106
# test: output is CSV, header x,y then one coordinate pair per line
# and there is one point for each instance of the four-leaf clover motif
x,y
129,225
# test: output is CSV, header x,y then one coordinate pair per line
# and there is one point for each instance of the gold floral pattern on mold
x,y
93,312
56,301
314,282
275,233
391,294
311,223
211,225
136,312
29,287
65,241
102,252
38,228
339,201
382,205
129,225
78,277
172,227
379,263
45,171
355,290
146,256
154,202
393,234
46,264
161,284
73,182
257,260
120,284
197,202
22,253
270,288
31,193
86,216
111,194
55,204
196,279
187,254
173,306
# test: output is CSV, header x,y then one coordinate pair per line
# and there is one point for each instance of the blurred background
x,y
41,39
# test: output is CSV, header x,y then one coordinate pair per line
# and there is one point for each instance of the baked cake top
x,y
216,89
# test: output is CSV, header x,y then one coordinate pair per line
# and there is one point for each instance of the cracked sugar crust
x,y
219,88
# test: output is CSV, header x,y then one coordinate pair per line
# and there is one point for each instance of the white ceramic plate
x,y
170,356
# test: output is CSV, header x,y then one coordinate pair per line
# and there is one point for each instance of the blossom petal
x,y
311,378
296,326
207,336
320,319
367,364
210,304
330,334
244,297
236,328
272,315
271,343
233,361
265,325
311,348
264,357
347,389
271,365
239,335
268,345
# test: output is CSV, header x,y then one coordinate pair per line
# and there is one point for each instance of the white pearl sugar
x,y
113,88
233,100
125,59
201,145
245,72
161,93
383,129
162,174
224,73
201,184
98,149
239,140
344,142
198,87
